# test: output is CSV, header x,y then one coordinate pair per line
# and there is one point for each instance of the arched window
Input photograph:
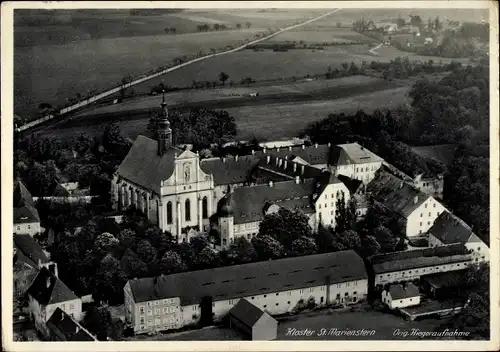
x,y
169,212
204,206
187,210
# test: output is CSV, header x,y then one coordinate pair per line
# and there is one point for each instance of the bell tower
x,y
163,130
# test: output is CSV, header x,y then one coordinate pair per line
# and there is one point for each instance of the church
x,y
187,195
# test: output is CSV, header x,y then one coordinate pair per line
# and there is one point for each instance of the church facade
x,y
186,195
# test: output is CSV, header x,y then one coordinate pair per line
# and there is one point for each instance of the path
x,y
372,50
143,79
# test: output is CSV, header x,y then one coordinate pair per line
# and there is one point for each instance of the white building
x,y
417,209
355,161
276,287
411,265
46,293
26,218
252,321
449,229
401,296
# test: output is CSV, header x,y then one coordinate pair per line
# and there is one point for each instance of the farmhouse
x,y
46,294
449,229
411,265
252,321
180,192
401,296
417,209
276,286
26,218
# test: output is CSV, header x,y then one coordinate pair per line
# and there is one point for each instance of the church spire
x,y
164,132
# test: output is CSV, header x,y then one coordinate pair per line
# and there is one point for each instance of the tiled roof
x,y
400,291
26,214
395,194
446,279
277,165
449,229
352,153
313,155
353,185
65,328
229,170
414,259
144,167
30,248
22,196
248,202
252,279
246,312
49,289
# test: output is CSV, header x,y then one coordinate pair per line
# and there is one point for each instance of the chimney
x,y
290,148
294,167
270,183
285,164
77,329
264,150
297,179
329,144
268,159
224,160
53,269
303,146
277,161
401,184
302,169
48,282
281,162
277,149
253,152
236,157
415,200
315,145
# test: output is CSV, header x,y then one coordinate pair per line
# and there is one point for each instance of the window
x,y
326,196
149,304
72,315
410,299
289,293
187,210
165,310
277,293
421,215
288,302
169,212
425,203
265,305
420,223
401,301
253,297
277,304
265,296
430,214
331,213
319,206
18,228
428,222
71,306
478,248
157,311
150,312
142,320
29,227
204,207
141,310
326,205
63,306
301,291
230,301
311,289
157,302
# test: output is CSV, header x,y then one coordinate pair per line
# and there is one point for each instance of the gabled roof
x,y
65,328
258,278
248,202
29,248
353,185
22,196
246,312
395,194
449,229
229,170
144,167
352,153
276,165
313,155
24,207
400,292
49,289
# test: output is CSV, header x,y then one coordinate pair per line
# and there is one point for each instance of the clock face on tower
x,y
187,172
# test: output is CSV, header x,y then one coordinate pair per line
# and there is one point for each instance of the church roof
x,y
144,167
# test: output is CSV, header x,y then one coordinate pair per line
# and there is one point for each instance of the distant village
x,y
188,196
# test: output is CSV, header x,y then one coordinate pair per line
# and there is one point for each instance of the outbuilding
x,y
399,296
252,321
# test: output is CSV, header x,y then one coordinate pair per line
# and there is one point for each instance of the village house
x,y
418,210
26,218
62,327
278,286
252,321
449,229
47,293
410,265
401,296
355,161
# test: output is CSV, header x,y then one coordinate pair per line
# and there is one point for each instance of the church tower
x,y
163,130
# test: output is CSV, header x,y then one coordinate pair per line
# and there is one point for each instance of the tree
x,y
385,238
370,246
132,265
285,226
345,216
216,26
127,238
238,25
171,263
345,66
350,239
242,251
437,24
109,281
223,77
326,241
248,24
267,247
40,177
416,21
304,246
207,258
400,22
167,30
173,30
98,321
104,242
198,243
146,252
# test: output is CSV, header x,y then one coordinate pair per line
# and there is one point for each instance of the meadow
x,y
58,54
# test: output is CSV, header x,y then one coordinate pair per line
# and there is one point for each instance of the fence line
x,y
112,91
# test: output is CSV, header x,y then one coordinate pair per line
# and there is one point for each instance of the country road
x,y
112,91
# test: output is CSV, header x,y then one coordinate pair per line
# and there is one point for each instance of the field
x,y
60,53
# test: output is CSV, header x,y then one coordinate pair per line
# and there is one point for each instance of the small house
x,y
252,321
401,296
62,327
